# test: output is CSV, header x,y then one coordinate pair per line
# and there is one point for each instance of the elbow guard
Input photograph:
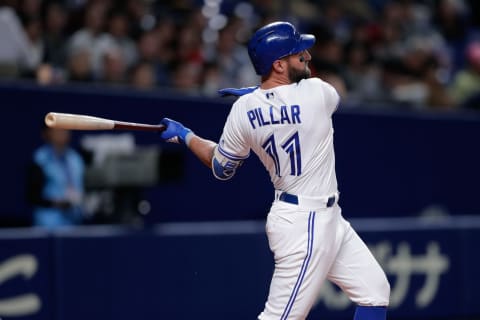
x,y
224,167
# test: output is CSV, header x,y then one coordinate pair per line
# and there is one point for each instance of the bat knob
x,y
50,119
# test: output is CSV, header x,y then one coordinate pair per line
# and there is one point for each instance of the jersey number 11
x,y
292,147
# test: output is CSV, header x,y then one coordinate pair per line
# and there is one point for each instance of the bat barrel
x,y
77,122
82,122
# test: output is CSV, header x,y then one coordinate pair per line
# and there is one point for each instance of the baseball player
x,y
286,121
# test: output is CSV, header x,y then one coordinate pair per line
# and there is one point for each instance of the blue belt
x,y
293,199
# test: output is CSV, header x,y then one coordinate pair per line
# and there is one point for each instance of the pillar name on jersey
x,y
260,117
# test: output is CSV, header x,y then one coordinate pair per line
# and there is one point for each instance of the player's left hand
x,y
175,132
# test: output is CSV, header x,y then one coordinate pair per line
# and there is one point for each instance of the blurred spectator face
x,y
394,13
59,138
415,60
79,65
452,18
212,80
118,25
332,52
187,76
137,8
95,16
197,20
333,13
473,55
449,10
148,46
114,66
33,28
188,43
164,35
357,57
56,18
391,33
143,76
226,42
30,8
165,30
360,33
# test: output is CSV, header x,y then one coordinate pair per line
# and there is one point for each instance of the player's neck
x,y
274,80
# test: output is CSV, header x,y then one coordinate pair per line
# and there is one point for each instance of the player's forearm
x,y
202,148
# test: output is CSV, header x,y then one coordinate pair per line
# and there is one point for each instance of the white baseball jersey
x,y
289,127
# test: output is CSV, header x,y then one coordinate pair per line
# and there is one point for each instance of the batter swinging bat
x,y
82,122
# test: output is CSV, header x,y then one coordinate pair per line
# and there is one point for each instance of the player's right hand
x,y
175,132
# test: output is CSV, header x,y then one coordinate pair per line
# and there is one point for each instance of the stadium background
x,y
178,244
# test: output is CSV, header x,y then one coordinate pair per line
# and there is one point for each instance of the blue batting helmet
x,y
274,41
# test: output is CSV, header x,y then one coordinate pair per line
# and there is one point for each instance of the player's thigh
x,y
357,272
304,248
287,230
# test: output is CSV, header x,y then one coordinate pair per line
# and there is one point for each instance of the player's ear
x,y
279,66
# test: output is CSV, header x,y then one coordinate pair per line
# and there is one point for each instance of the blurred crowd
x,y
405,53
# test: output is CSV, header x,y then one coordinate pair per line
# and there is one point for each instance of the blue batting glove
x,y
175,132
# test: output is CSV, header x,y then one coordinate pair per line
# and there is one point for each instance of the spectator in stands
x,y
327,59
33,28
451,18
114,68
55,181
55,36
165,32
234,67
140,16
16,56
466,83
362,77
149,46
162,35
189,45
154,51
142,76
117,39
79,66
30,8
211,79
336,20
118,26
424,69
88,38
187,77
438,93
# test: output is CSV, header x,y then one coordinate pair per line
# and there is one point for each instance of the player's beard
x,y
295,75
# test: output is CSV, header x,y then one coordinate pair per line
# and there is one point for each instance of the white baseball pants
x,y
309,246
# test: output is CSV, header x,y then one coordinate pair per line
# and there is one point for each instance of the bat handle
x,y
121,125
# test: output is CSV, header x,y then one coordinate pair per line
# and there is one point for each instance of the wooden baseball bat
x,y
82,122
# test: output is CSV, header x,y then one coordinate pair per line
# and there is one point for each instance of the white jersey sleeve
x,y
332,99
233,142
